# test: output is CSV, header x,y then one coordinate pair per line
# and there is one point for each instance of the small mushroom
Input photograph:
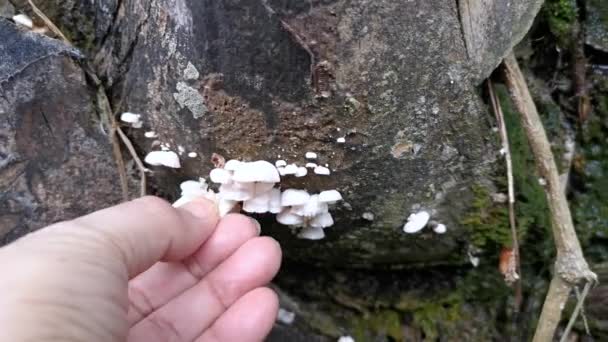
x,y
330,196
291,169
311,233
165,158
440,228
280,163
237,191
322,170
23,20
289,219
415,222
311,155
301,172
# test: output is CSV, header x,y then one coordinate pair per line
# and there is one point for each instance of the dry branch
x,y
571,267
512,276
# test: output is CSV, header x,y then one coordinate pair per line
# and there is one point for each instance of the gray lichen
x,y
190,98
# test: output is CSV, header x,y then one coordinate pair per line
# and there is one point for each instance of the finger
x,y
148,230
184,318
163,281
249,319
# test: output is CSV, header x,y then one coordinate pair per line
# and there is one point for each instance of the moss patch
x,y
561,16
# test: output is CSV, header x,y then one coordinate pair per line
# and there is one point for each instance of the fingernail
x,y
257,224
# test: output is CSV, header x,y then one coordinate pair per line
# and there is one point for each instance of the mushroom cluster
x,y
311,212
249,182
253,185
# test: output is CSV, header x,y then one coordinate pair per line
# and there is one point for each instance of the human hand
x,y
141,271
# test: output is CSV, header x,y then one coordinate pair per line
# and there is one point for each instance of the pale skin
x,y
141,271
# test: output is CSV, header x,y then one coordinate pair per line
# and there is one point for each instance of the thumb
x,y
146,230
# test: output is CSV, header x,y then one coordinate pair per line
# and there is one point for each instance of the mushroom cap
x,y
257,171
311,165
130,117
291,197
330,196
311,208
258,204
440,228
232,164
415,222
322,170
274,205
311,233
24,20
280,163
237,191
221,176
291,169
192,187
165,158
311,155
302,171
289,219
322,220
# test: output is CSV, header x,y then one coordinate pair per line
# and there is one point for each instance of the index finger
x,y
148,229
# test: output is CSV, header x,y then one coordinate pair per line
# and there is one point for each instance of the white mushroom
x,y
150,134
292,197
287,218
280,163
415,222
311,155
440,228
330,196
341,140
311,208
165,158
237,191
311,165
131,118
23,20
321,170
221,176
192,154
291,169
301,172
311,233
257,171
322,220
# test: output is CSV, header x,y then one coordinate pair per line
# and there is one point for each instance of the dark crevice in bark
x,y
464,38
119,4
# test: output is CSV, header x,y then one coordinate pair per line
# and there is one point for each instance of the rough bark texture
x,y
491,28
54,162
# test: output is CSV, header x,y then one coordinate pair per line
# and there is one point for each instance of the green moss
x,y
590,198
488,222
378,323
561,16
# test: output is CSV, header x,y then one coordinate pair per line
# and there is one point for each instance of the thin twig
x,y
49,23
570,265
502,128
577,309
140,165
583,314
